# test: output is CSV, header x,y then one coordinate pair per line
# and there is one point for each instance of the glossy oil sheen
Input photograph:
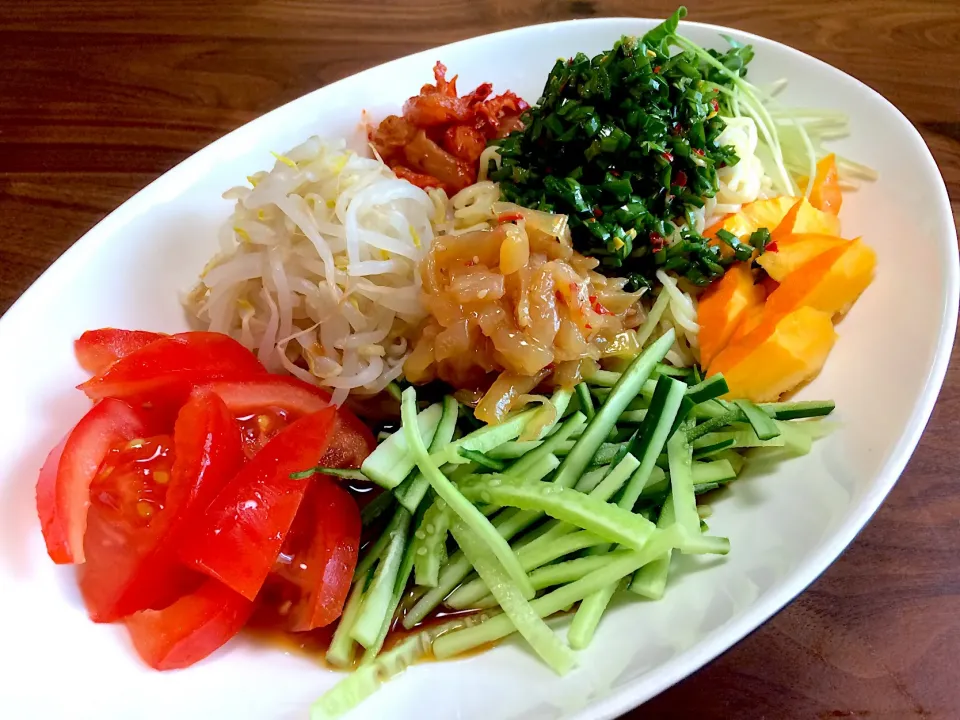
x,y
785,527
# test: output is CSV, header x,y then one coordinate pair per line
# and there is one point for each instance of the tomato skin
x,y
131,567
97,350
63,488
164,372
191,628
351,444
322,547
244,527
250,395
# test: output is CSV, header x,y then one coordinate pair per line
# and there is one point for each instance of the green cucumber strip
x,y
626,388
394,390
550,445
484,461
667,399
392,461
457,503
375,508
742,436
645,331
671,371
513,600
729,417
403,577
686,407
680,456
605,378
798,410
616,567
796,440
717,471
633,417
376,599
703,452
588,615
713,387
514,449
456,473
584,400
345,473
608,453
367,679
559,573
708,410
562,503
411,491
342,646
650,581
735,459
484,439
763,425
429,546
590,479
373,552
702,488
465,596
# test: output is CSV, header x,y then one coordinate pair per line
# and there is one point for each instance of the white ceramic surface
x,y
785,527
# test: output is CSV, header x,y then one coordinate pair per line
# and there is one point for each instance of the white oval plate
x,y
785,527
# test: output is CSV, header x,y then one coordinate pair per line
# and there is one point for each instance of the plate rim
x,y
638,690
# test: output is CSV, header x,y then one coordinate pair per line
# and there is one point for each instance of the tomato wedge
x,y
189,629
244,527
252,395
320,554
97,350
351,444
139,508
164,372
63,488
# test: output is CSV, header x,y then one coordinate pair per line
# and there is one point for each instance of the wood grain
x,y
99,97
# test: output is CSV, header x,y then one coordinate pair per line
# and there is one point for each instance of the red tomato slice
x,y
244,527
63,489
351,444
140,504
165,371
97,350
252,395
190,629
320,555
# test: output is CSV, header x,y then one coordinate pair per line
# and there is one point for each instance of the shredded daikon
x,y
319,268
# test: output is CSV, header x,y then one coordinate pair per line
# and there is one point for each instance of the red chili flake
x,y
680,179
548,170
715,105
572,287
569,61
598,307
656,69
667,156
771,247
588,327
615,173
698,151
597,212
676,129
469,263
550,366
657,241
509,217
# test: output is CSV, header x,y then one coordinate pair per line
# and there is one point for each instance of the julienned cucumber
x,y
392,461
623,392
411,491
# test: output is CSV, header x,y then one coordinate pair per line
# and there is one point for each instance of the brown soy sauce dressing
x,y
268,623
267,627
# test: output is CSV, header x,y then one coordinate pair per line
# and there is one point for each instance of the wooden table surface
x,y
99,97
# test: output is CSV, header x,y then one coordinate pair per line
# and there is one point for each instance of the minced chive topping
x,y
626,145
